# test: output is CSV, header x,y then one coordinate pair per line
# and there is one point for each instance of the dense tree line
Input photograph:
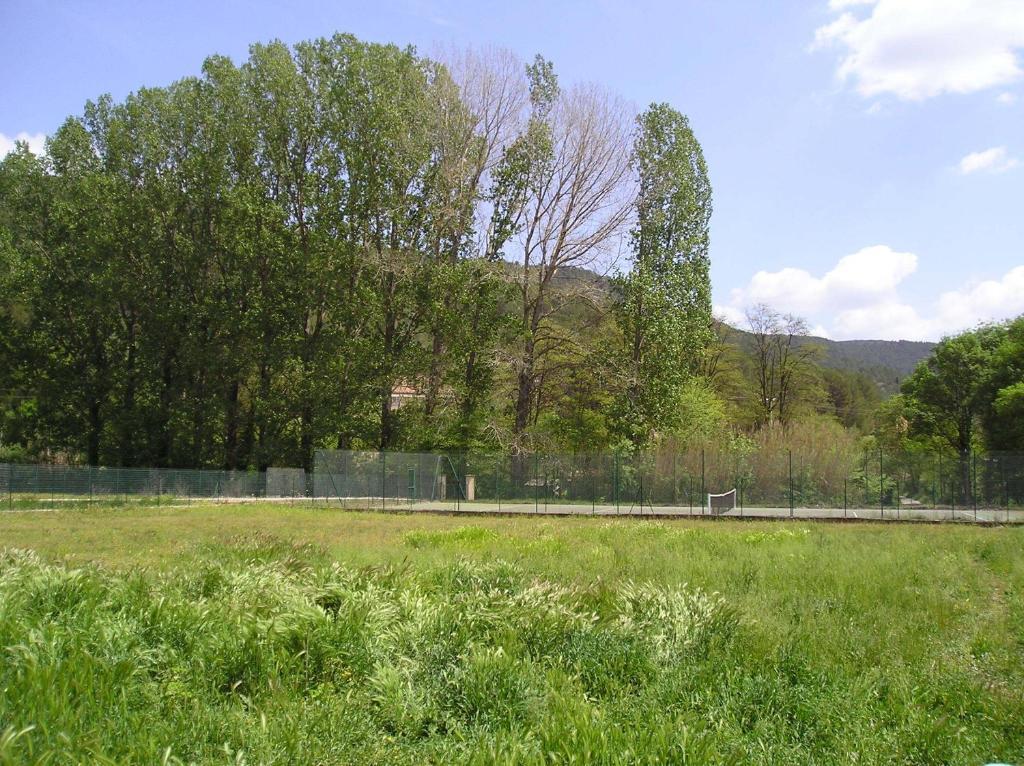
x,y
969,394
241,267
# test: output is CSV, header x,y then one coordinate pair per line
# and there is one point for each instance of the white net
x,y
721,503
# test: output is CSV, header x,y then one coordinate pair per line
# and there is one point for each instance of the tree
x,y
944,393
1002,417
560,193
783,364
663,304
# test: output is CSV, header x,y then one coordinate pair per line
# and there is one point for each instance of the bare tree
x,y
783,362
478,122
568,202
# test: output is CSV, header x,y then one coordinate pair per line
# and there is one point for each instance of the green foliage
x,y
969,390
663,304
237,268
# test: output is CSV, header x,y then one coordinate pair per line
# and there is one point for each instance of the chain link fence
x,y
806,483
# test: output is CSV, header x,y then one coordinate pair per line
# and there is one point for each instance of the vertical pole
x,y
675,479
615,480
792,500
703,490
90,485
497,481
536,502
844,498
383,479
881,482
897,499
974,482
10,486
593,488
689,493
952,496
1006,488
159,486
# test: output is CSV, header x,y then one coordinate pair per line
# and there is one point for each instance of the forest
x,y
345,244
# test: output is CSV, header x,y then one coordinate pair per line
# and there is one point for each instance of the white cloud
x,y
983,301
917,49
1006,98
869,275
837,5
36,142
860,298
994,160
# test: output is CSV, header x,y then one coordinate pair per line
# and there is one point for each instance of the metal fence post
x,y
497,481
881,485
615,481
952,497
844,498
536,500
974,482
383,479
897,484
792,500
1006,486
675,480
703,490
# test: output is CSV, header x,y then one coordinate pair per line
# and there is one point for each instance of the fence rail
x,y
982,486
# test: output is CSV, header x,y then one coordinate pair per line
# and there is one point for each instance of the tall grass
x,y
263,651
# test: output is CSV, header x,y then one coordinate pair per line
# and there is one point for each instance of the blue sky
x,y
867,156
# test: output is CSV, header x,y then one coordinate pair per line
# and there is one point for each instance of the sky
x,y
867,156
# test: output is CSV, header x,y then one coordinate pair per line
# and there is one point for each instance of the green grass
x,y
268,634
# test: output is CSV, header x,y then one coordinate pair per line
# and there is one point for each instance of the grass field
x,y
274,634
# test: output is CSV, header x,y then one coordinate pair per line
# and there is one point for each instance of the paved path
x,y
989,515
984,515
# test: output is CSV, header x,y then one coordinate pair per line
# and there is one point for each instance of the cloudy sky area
x,y
866,155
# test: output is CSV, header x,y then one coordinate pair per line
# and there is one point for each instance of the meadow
x,y
268,634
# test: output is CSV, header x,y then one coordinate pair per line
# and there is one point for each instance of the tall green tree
x,y
664,302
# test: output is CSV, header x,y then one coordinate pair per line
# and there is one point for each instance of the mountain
x,y
887,362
